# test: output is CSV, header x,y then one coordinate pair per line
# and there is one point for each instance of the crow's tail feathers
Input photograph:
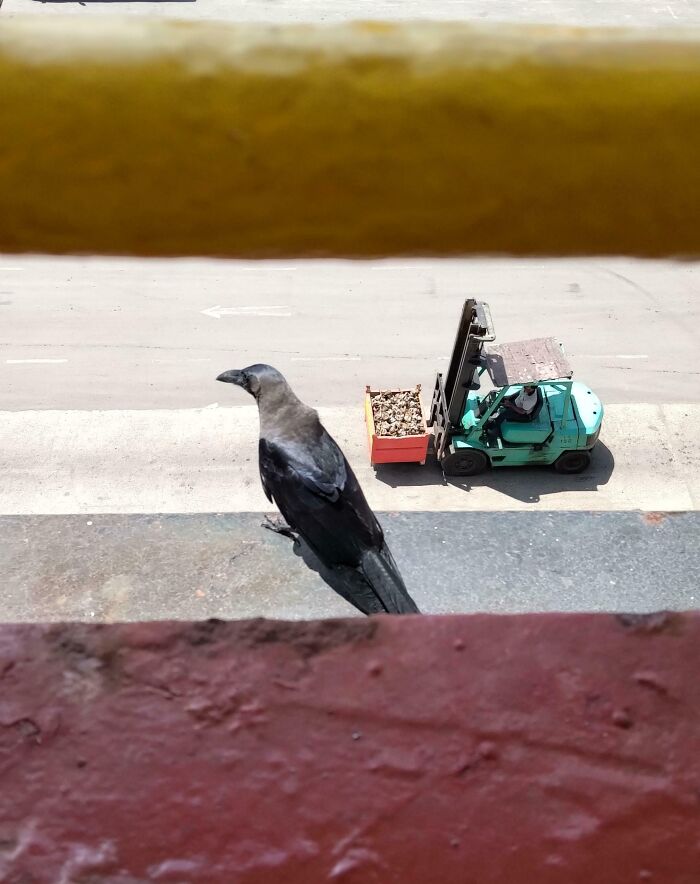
x,y
379,570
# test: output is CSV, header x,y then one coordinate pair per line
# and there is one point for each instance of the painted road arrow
x,y
218,311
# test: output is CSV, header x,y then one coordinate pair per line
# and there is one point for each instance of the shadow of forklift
x,y
525,486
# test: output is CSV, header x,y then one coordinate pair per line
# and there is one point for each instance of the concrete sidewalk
x,y
145,567
205,460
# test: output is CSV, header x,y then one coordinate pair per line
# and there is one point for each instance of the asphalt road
x,y
95,333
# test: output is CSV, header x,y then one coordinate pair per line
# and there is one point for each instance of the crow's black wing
x,y
326,507
264,467
319,464
339,526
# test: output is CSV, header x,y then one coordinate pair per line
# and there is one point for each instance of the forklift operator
x,y
518,407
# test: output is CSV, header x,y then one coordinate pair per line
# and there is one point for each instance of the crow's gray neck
x,y
283,415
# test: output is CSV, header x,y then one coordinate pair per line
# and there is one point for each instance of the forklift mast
x,y
474,330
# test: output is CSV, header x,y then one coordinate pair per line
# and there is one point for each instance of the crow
x,y
305,473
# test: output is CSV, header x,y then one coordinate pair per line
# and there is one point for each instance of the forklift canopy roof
x,y
540,359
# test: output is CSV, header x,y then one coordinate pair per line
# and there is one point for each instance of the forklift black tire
x,y
466,462
572,462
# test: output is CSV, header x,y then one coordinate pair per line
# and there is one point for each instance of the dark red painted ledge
x,y
535,749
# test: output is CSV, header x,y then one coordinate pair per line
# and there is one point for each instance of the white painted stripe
x,y
217,311
612,356
35,361
401,268
326,358
255,308
205,460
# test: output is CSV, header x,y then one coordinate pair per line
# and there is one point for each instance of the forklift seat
x,y
533,431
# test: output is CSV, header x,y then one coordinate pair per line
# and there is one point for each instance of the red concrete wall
x,y
479,750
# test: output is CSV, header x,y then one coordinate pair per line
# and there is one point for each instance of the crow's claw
x,y
279,527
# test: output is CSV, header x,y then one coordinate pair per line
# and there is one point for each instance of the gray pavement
x,y
118,333
142,567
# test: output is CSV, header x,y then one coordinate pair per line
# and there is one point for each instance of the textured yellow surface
x,y
167,138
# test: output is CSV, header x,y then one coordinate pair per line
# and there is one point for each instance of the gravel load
x,y
397,413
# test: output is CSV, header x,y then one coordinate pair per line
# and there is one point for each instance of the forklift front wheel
x,y
466,462
572,462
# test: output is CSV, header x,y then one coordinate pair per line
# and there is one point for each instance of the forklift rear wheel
x,y
572,462
465,463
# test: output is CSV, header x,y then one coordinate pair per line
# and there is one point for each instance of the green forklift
x,y
470,431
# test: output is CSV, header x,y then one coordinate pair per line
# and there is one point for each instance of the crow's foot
x,y
279,527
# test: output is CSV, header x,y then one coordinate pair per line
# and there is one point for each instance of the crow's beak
x,y
233,376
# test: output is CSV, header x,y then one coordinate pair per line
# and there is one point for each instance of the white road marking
x,y
403,268
34,361
5,269
218,311
205,460
611,356
325,358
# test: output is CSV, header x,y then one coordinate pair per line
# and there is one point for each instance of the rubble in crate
x,y
397,413
396,429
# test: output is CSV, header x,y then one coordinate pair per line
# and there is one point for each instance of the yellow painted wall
x,y
166,138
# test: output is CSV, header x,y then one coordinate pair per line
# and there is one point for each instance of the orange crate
x,y
395,449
